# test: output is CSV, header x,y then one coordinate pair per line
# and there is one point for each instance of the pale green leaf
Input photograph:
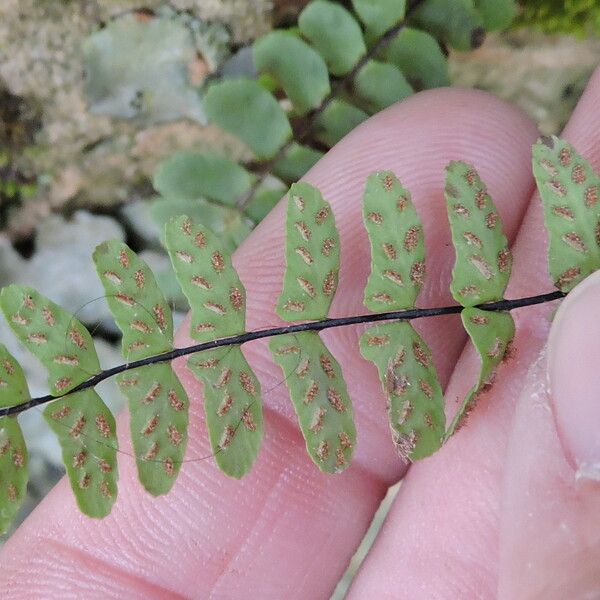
x,y
195,175
570,190
409,379
379,15
233,407
397,246
243,107
216,295
86,431
296,162
483,260
491,334
455,22
318,392
337,120
420,58
380,85
158,407
299,69
334,32
13,452
496,14
231,225
312,256
55,337
264,200
135,300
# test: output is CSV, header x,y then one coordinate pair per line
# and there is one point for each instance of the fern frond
x,y
86,430
216,295
411,385
483,259
312,256
233,408
406,370
320,398
58,340
135,300
481,273
243,107
298,68
312,375
491,333
158,404
158,409
13,451
397,244
83,423
334,33
570,193
233,405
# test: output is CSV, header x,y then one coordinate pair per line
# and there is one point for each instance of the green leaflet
x,y
379,15
455,22
397,246
243,107
135,300
195,175
264,200
337,120
158,406
299,69
233,407
13,452
318,392
84,425
55,337
496,14
410,382
483,260
570,190
87,434
218,303
334,32
209,281
230,224
380,85
491,334
312,256
296,162
420,58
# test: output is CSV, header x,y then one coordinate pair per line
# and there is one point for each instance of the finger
x,y
287,530
549,537
442,531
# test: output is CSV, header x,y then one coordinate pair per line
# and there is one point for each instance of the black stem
x,y
397,315
336,87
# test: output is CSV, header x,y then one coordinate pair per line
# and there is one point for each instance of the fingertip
x,y
549,544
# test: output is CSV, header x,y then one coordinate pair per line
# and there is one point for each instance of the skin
x,y
471,522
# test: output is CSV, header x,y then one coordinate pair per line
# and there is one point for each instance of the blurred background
x,y
104,130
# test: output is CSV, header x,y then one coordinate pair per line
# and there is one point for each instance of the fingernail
x,y
574,376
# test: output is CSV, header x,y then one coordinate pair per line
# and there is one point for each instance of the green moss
x,y
579,17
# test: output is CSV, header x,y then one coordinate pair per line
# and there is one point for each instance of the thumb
x,y
550,529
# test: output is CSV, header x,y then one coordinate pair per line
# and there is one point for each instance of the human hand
x,y
497,513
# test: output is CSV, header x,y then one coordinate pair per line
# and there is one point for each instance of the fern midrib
x,y
399,315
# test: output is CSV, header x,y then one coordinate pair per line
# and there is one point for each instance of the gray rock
x,y
62,267
136,215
